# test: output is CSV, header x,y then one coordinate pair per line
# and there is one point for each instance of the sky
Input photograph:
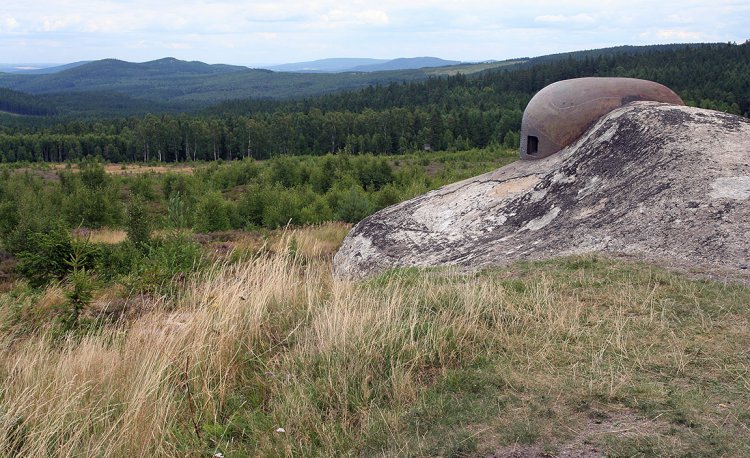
x,y
270,32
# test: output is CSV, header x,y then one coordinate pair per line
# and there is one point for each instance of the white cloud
x,y
372,17
681,18
9,24
680,35
580,18
177,46
58,23
349,17
247,31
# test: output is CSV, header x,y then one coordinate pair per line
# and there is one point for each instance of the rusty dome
x,y
558,114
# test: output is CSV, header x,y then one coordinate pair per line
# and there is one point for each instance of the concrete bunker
x,y
561,112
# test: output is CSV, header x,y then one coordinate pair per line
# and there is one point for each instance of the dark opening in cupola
x,y
533,145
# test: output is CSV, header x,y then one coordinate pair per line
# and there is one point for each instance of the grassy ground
x,y
266,355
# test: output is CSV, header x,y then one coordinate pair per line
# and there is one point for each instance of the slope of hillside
x,y
24,104
341,65
117,75
38,69
406,64
173,80
262,351
333,65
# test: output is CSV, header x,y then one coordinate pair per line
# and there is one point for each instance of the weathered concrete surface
x,y
561,112
661,182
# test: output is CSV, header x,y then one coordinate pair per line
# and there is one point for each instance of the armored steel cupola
x,y
558,114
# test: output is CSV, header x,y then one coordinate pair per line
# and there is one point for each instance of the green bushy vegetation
x,y
48,214
228,195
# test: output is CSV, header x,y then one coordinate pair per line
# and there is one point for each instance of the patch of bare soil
x,y
135,169
691,269
7,269
624,424
50,172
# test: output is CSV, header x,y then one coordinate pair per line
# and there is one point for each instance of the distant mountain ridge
x,y
174,80
406,63
333,65
117,87
343,65
38,69
135,79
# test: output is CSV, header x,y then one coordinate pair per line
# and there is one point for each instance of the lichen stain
x,y
515,186
538,223
737,188
585,212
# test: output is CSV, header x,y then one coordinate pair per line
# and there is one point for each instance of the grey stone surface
x,y
661,182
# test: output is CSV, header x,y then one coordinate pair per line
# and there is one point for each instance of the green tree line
x,y
170,138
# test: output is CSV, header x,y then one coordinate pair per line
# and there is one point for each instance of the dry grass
x,y
50,171
127,390
136,169
314,241
102,235
524,356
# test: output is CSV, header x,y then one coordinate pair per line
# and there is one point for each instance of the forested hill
x,y
713,76
103,87
450,112
172,80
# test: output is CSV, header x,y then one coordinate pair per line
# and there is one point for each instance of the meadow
x,y
155,310
262,353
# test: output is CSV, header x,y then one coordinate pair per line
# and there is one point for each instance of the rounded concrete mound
x,y
558,114
664,183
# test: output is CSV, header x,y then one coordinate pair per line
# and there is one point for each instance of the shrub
x,y
316,212
79,295
511,139
52,254
174,255
93,176
178,212
138,225
173,183
92,208
212,213
353,205
143,187
250,206
9,217
388,195
284,208
119,260
285,171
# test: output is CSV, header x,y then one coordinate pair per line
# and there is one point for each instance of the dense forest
x,y
24,104
441,113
